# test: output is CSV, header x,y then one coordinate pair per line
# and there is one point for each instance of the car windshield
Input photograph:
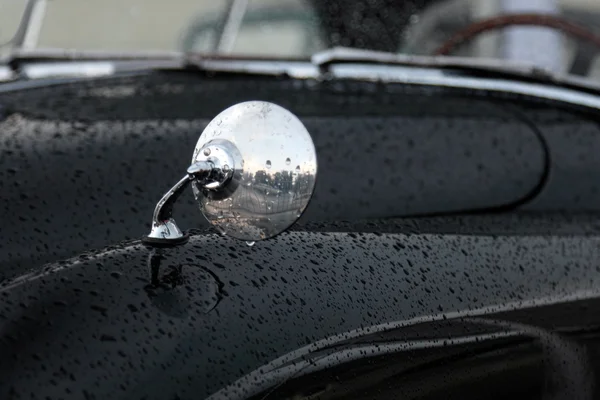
x,y
558,35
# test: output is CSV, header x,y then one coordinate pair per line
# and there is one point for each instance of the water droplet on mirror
x,y
226,168
287,161
268,164
206,152
250,244
297,169
220,215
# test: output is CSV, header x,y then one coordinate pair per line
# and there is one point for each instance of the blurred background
x,y
268,26
297,28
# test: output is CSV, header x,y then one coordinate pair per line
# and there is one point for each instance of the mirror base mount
x,y
150,241
165,234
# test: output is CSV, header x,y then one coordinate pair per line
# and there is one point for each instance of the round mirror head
x,y
267,168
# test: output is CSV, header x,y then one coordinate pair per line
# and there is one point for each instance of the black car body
x,y
450,248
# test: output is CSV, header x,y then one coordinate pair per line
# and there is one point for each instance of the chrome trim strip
x,y
414,74
68,69
407,75
92,69
295,69
339,55
439,78
89,55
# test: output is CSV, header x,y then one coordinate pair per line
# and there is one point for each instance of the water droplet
x,y
250,244
269,205
297,169
116,274
268,164
206,152
226,168
287,161
220,215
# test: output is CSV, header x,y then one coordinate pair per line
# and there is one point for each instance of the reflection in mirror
x,y
272,167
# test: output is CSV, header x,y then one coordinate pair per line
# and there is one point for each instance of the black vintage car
x,y
363,223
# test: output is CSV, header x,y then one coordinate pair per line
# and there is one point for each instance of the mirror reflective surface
x,y
269,160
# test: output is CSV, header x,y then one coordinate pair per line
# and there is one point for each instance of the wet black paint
x,y
194,320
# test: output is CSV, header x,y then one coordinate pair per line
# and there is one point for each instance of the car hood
x,y
190,321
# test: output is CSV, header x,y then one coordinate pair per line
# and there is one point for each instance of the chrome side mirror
x,y
253,173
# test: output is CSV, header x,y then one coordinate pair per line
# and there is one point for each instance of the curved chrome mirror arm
x,y
165,232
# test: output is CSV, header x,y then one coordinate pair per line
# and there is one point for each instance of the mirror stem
x,y
165,232
164,208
